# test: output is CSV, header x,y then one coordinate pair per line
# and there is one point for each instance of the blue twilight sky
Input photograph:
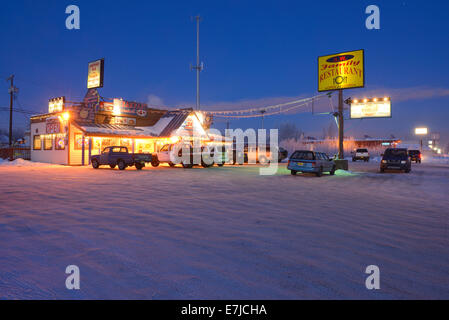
x,y
255,53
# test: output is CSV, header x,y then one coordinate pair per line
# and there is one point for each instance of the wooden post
x,y
82,150
90,149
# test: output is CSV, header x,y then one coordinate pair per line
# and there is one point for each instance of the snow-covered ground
x,y
214,233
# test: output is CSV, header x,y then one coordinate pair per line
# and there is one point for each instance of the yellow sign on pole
x,y
95,74
341,71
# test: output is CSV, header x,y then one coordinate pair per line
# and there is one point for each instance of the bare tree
x,y
289,130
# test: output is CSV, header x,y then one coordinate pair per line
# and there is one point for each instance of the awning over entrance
x,y
117,130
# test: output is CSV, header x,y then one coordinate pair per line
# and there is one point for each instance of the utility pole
x,y
12,90
262,112
199,66
341,154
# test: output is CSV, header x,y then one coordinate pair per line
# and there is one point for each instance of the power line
x,y
276,106
262,111
18,110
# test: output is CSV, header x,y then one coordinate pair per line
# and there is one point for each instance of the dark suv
x,y
396,159
415,155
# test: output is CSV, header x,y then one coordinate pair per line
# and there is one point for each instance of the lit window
x,y
48,142
79,141
59,143
37,145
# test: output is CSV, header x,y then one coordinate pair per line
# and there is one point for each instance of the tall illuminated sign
x,y
56,105
341,71
95,74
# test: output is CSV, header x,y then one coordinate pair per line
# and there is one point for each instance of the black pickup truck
x,y
119,156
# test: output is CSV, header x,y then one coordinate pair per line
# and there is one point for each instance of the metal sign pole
x,y
341,154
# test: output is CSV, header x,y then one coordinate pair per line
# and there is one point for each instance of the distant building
x,y
359,143
4,141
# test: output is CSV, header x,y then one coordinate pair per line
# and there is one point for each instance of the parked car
x,y
220,154
310,161
283,154
119,156
360,154
169,152
397,159
415,155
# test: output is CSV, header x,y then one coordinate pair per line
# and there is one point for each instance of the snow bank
x,y
344,173
436,159
25,163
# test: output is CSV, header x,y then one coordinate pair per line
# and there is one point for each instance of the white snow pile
x,y
436,159
24,163
347,173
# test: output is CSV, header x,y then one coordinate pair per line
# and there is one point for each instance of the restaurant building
x,y
71,132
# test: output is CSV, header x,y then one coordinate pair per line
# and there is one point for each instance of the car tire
x,y
95,164
332,172
112,166
220,164
353,160
293,172
139,166
382,170
121,165
171,164
155,162
206,165
263,160
319,173
407,170
187,166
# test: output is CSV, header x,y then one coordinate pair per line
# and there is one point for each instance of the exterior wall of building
x,y
48,156
75,143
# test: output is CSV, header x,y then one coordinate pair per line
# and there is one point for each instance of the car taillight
x,y
288,162
313,164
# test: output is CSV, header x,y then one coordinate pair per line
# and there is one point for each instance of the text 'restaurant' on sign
x,y
341,71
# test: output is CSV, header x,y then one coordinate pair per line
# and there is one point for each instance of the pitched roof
x,y
164,127
177,119
114,130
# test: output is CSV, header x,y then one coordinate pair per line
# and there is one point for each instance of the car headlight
x,y
403,162
384,161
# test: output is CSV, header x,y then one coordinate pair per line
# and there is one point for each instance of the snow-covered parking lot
x,y
228,232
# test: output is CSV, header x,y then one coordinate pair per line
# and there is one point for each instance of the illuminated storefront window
x,y
96,145
109,142
37,145
79,142
48,142
145,146
59,142
126,143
